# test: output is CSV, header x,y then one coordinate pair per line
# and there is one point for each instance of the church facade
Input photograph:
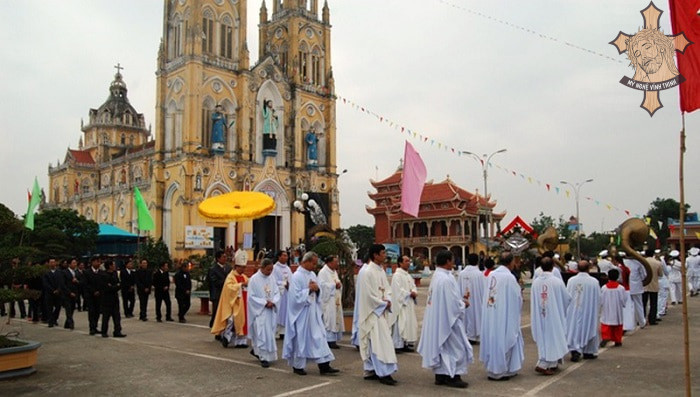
x,y
221,126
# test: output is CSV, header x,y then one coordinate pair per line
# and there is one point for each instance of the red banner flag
x,y
685,19
412,181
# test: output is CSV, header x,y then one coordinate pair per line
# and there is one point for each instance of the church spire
x,y
326,13
263,13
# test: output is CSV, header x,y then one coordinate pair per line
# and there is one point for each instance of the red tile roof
x,y
81,156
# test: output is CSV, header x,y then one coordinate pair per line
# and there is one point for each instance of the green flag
x,y
33,202
144,219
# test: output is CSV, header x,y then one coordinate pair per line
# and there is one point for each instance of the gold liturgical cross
x,y
651,55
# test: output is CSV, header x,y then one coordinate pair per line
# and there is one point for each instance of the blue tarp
x,y
112,240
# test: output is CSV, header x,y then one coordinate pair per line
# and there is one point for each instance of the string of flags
x,y
436,144
524,29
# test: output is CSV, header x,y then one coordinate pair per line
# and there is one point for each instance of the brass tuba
x,y
634,232
549,241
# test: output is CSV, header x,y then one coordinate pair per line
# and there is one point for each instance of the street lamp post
x,y
577,189
485,161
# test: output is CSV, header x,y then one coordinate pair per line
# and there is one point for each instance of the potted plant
x,y
199,273
17,356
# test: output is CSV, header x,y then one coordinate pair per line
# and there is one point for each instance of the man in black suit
x,y
183,289
69,291
35,283
128,280
17,283
110,300
217,276
161,289
144,281
80,275
93,295
52,282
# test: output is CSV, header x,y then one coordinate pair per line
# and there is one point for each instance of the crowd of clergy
x,y
463,308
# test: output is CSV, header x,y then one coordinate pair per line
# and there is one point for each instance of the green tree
x,y
660,211
363,237
542,222
155,252
63,233
336,245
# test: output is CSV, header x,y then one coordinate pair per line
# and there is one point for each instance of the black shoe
x,y
326,369
105,336
333,345
159,320
299,371
398,351
502,378
93,332
224,342
120,335
618,344
264,364
575,356
588,356
217,337
474,342
457,382
182,321
387,380
370,375
169,319
603,343
407,349
241,346
281,336
441,379
252,353
143,319
51,325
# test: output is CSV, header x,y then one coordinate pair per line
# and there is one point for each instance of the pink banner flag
x,y
413,180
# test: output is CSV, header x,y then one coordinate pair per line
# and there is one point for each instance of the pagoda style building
x,y
449,218
221,125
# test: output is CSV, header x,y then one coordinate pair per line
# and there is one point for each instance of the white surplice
x,y
305,336
501,348
612,303
282,274
443,343
473,283
405,323
374,328
331,302
549,301
262,320
582,314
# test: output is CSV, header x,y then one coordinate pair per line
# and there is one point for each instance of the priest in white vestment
x,y
637,275
549,301
374,331
443,343
332,301
472,284
403,292
305,337
282,274
502,350
263,298
355,336
582,315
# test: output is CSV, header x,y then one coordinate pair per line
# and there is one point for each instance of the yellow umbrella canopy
x,y
237,206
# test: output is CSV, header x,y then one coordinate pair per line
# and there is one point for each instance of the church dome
x,y
117,110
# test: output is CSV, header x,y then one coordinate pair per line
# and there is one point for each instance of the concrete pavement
x,y
172,359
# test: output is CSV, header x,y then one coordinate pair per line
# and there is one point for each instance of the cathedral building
x,y
221,126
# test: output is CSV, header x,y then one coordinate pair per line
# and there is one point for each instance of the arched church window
x,y
316,66
105,139
226,38
85,186
208,32
131,140
207,110
303,62
175,37
122,139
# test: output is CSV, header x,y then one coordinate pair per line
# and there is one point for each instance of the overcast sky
x,y
463,80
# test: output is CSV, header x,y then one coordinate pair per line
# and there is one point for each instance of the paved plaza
x,y
173,359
